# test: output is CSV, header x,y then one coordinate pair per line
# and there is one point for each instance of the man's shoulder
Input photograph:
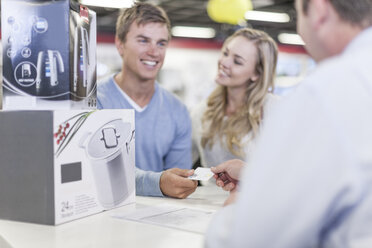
x,y
326,88
337,72
106,93
105,84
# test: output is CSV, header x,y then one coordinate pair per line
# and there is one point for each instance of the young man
x,y
309,182
163,126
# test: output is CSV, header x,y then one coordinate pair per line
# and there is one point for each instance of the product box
x,y
49,55
57,166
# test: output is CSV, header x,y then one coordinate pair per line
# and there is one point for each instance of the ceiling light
x,y
266,16
292,39
193,32
109,3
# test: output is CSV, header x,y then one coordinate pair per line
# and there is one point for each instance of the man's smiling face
x,y
144,50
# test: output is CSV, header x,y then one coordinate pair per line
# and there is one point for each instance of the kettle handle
x,y
38,69
85,52
60,61
75,68
84,139
86,42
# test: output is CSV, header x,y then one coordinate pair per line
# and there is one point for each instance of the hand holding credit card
x,y
202,174
225,178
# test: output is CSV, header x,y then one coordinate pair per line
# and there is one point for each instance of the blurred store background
x,y
198,29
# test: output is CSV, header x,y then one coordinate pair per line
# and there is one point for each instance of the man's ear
x,y
318,12
119,45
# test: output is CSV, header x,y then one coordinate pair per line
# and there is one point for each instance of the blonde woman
x,y
226,124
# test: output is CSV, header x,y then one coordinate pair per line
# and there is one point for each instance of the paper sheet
x,y
187,219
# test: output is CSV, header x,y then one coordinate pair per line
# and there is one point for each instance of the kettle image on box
x,y
47,64
81,60
108,150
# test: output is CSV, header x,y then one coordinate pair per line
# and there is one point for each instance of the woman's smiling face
x,y
237,64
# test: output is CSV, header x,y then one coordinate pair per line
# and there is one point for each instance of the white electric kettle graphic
x,y
47,64
108,150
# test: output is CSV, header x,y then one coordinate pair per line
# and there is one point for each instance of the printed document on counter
x,y
173,216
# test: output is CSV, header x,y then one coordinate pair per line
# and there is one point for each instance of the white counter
x,y
102,230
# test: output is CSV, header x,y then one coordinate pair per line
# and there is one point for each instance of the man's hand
x,y
174,183
227,174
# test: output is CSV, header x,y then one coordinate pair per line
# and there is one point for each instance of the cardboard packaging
x,y
49,55
57,166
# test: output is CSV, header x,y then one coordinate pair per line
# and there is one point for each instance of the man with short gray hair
x,y
309,181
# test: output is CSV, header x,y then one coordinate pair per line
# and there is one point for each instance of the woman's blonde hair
x,y
248,117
